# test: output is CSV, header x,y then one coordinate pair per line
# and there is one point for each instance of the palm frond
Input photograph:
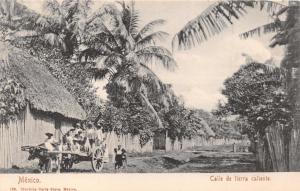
x,y
110,61
149,28
103,35
100,74
88,53
265,29
74,9
52,7
157,55
150,78
55,40
130,18
7,9
121,76
268,67
43,22
281,38
151,39
216,18
24,34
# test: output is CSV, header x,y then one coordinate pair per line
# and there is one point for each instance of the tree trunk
x,y
276,144
149,105
293,62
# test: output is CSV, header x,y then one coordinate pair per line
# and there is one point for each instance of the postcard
x,y
149,94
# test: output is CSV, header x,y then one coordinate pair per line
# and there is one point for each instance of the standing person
x,y
120,157
100,137
91,134
69,138
51,145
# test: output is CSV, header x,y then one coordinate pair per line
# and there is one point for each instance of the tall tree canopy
x,y
256,93
123,53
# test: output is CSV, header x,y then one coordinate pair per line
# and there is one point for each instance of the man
x,y
76,145
69,138
77,128
50,143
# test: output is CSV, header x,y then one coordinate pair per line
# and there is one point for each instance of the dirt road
x,y
200,159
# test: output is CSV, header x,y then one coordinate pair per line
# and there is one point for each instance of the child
x,y
120,157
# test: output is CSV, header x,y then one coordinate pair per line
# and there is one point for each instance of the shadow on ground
x,y
206,159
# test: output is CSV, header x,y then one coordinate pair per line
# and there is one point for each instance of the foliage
x,y
123,53
12,98
76,77
186,123
132,119
218,16
59,25
257,94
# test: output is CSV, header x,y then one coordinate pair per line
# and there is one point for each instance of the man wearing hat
x,y
50,142
77,128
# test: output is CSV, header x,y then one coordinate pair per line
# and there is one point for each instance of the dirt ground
x,y
206,159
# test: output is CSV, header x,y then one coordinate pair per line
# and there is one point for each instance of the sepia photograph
x,y
98,87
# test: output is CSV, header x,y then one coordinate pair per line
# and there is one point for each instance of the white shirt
x,y
48,144
99,134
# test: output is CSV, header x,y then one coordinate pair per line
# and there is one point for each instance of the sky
x,y
201,70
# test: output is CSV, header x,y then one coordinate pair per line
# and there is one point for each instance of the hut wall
x,y
28,129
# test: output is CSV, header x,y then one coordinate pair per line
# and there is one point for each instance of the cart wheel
x,y
97,160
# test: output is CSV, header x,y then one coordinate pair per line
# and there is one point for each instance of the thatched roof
x,y
42,90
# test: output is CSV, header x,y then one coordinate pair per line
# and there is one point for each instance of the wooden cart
x,y
50,160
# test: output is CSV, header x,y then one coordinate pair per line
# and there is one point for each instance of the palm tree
x,y
7,9
219,15
214,19
123,53
15,19
58,25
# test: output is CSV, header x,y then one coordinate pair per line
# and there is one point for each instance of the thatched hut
x,y
48,107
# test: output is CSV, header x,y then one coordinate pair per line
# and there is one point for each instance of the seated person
x,y
65,146
76,146
79,136
68,141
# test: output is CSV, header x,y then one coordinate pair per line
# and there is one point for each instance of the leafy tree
x,y
214,19
12,99
123,53
220,15
76,77
59,25
16,20
256,94
132,119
